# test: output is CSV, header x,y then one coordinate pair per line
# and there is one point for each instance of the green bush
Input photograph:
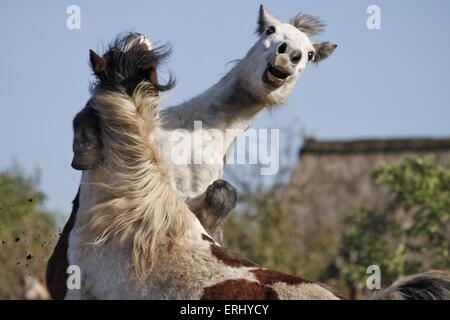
x,y
412,235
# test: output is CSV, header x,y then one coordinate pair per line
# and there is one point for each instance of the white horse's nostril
x,y
296,59
282,48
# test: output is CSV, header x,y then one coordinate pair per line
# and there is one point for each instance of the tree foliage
x,y
27,231
262,231
412,235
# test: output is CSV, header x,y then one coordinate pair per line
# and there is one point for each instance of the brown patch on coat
x,y
56,275
207,238
229,258
239,290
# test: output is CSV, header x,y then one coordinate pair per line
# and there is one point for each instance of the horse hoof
x,y
221,196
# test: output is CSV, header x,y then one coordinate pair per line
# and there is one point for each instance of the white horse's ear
x,y
323,50
308,24
265,20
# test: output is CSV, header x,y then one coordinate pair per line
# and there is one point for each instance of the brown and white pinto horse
x,y
129,61
135,238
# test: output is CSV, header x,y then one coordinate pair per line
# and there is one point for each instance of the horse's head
x,y
130,60
281,54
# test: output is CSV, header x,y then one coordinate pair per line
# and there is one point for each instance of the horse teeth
x,y
274,79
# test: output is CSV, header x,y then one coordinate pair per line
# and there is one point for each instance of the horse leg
x,y
56,273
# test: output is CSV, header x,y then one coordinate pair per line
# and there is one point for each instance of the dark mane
x,y
128,62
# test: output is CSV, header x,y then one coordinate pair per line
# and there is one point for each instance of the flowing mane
x,y
127,62
138,203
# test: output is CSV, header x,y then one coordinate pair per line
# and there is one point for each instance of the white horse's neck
x,y
228,106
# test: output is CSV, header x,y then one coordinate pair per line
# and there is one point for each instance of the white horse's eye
x,y
310,55
270,30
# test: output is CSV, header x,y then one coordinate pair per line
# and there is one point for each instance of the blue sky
x,y
392,82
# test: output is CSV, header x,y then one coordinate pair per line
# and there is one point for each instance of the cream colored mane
x,y
137,203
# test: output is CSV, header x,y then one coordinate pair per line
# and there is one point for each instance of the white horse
x,y
264,78
135,238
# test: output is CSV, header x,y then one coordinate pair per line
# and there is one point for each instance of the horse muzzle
x,y
275,76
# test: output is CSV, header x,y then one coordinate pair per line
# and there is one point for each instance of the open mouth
x,y
274,77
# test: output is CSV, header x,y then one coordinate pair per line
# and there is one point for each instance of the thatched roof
x,y
333,178
312,146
